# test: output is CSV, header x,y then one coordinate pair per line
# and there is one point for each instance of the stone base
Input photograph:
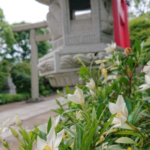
x,y
61,66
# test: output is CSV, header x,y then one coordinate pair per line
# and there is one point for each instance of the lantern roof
x,y
46,2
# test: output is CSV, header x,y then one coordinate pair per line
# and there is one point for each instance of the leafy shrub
x,y
140,29
7,98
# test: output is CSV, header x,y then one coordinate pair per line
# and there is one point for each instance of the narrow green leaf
x,y
49,125
125,140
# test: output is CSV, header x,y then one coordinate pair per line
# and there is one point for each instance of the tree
x,y
6,36
140,30
138,7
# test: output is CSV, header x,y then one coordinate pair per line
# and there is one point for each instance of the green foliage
x,y
140,30
3,73
7,98
7,38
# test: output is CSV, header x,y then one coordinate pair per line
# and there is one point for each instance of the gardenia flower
x,y
147,85
91,84
77,97
146,69
121,110
52,142
2,128
55,122
110,48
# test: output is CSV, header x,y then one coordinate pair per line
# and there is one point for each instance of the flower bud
x,y
92,93
104,73
18,121
127,51
14,132
79,115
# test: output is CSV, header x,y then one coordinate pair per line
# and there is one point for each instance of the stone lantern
x,y
75,36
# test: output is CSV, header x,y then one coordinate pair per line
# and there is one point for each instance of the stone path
x,y
30,114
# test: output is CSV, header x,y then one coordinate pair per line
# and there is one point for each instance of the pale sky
x,y
30,11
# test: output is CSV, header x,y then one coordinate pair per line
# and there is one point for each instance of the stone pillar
x,y
34,69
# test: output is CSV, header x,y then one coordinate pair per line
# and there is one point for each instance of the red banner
x,y
121,26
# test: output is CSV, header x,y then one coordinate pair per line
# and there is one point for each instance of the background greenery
x,y
15,51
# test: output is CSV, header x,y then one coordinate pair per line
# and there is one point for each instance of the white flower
x,y
92,93
52,142
142,44
77,97
121,110
110,48
101,66
55,122
146,69
109,56
79,115
2,128
147,85
117,60
91,84
101,61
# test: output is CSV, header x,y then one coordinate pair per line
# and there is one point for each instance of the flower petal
x,y
147,79
74,98
43,128
51,137
58,139
55,120
92,82
116,121
122,120
40,143
3,125
148,63
114,108
79,93
125,110
120,101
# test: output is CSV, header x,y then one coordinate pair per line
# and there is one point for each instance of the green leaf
x,y
125,140
107,124
25,135
128,133
78,137
128,104
42,135
49,125
93,114
124,80
67,90
100,109
115,147
137,45
130,63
